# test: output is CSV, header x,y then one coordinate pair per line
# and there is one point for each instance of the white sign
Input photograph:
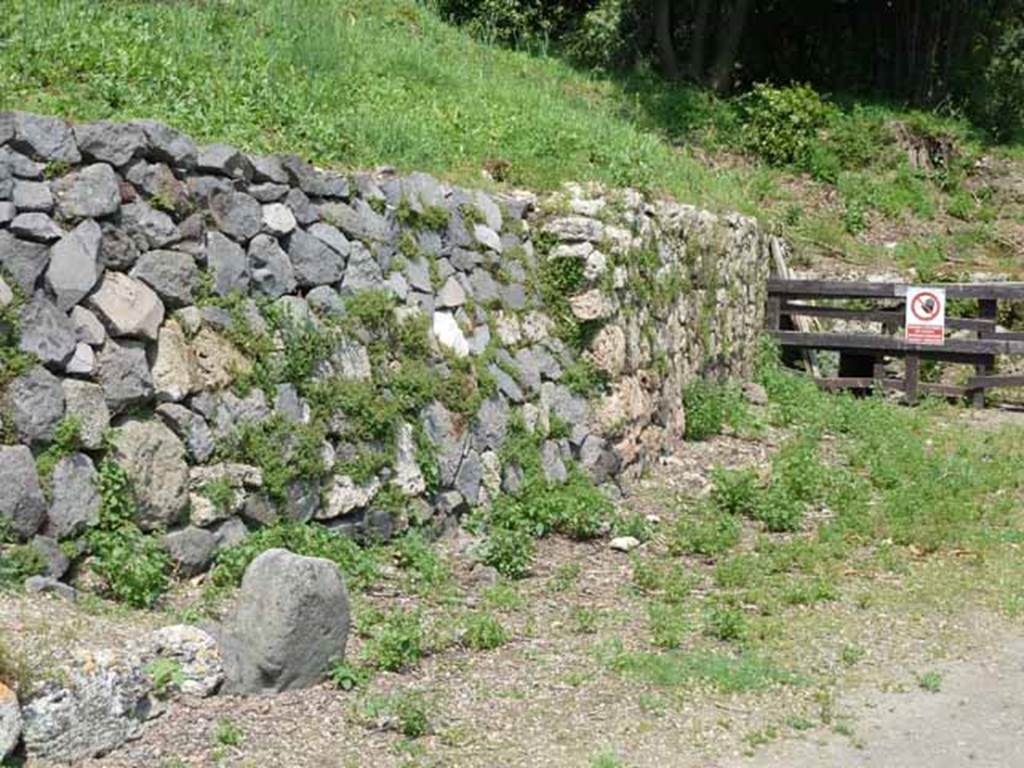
x,y
926,315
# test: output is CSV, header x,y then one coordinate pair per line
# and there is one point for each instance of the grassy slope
x,y
366,82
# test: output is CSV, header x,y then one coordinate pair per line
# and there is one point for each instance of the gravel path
x,y
976,719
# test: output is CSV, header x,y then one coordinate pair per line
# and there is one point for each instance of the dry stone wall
x,y
252,338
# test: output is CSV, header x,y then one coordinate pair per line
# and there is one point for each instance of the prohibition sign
x,y
926,306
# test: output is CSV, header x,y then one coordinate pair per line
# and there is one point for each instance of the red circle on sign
x,y
926,306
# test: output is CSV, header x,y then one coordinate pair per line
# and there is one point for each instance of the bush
x,y
509,551
709,406
704,531
735,490
779,509
396,641
726,622
1000,102
781,125
484,632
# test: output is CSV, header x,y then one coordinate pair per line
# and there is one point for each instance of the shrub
x,y
484,632
726,622
509,551
779,509
17,563
133,564
734,490
704,531
668,625
781,125
709,406
1000,102
396,641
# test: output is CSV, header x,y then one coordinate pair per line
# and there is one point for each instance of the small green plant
x,y
709,407
483,632
406,713
228,733
634,524
165,674
347,676
66,440
423,564
16,672
726,622
17,563
930,681
509,551
734,491
852,654
606,760
704,531
781,125
667,624
778,509
565,577
584,620
396,641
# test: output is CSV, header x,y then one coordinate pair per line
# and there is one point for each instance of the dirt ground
x,y
551,697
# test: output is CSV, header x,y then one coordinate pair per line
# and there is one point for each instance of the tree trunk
x,y
663,34
729,46
698,39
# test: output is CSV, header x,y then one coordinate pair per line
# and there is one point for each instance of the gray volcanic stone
x,y
552,464
158,181
535,362
32,196
85,401
513,296
191,550
236,214
55,562
464,260
358,220
506,384
73,269
269,192
22,504
314,182
7,212
469,477
88,328
313,261
363,272
483,287
35,402
19,166
189,427
417,272
278,219
452,294
304,211
600,462
268,168
23,260
46,332
491,425
326,301
168,145
76,501
292,621
83,360
6,294
331,237
568,408
225,160
99,703
89,193
118,250
272,272
148,227
449,439
154,459
230,533
123,373
201,187
46,138
36,226
172,274
127,306
106,142
228,263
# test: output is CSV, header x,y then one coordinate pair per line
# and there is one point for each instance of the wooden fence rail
x,y
978,340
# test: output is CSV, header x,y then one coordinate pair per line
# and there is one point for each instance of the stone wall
x,y
252,337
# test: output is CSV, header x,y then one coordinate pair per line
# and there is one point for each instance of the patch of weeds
x,y
17,563
66,440
503,596
709,407
347,676
778,509
483,632
165,675
396,641
406,713
734,490
565,577
584,378
634,524
133,564
509,551
930,681
851,655
584,620
738,572
667,624
606,759
361,566
666,579
704,531
16,672
726,622
421,562
726,673
798,723
228,733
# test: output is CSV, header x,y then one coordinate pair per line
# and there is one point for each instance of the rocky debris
x,y
92,192
76,499
449,335
228,263
278,220
189,427
624,543
198,669
101,701
88,328
147,227
224,160
127,306
363,272
21,504
358,220
168,145
73,269
35,402
48,585
408,475
10,722
217,360
443,430
292,621
172,274
32,196
55,562
154,459
46,332
236,214
23,260
313,261
36,226
271,270
346,496
174,369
